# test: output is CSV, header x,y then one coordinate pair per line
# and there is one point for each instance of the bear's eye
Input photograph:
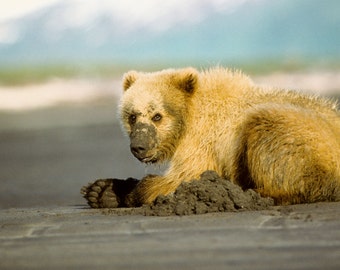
x,y
132,119
157,117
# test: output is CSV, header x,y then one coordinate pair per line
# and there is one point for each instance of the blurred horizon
x,y
59,51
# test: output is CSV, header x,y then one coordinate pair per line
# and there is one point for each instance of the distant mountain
x,y
206,32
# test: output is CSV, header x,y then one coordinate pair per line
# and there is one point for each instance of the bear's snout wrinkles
x,y
142,141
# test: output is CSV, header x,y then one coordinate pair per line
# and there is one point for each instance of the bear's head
x,y
153,111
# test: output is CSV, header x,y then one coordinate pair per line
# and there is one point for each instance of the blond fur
x,y
283,144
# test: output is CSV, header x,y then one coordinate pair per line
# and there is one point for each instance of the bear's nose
x,y
138,151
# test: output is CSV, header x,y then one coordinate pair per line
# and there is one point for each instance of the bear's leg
x,y
108,193
288,153
149,188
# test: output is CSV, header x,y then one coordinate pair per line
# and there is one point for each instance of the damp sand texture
x,y
210,193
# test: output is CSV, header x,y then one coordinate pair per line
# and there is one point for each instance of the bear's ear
x,y
186,80
129,79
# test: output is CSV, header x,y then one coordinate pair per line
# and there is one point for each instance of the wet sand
x,y
290,237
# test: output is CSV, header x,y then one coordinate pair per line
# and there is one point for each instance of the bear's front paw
x,y
100,194
108,193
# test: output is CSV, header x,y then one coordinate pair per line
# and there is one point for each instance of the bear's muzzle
x,y
143,141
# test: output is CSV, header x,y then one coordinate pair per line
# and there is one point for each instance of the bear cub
x,y
283,144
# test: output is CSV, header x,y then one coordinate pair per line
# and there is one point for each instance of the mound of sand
x,y
210,194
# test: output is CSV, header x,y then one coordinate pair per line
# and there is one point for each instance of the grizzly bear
x,y
283,144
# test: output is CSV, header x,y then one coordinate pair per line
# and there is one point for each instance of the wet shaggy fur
x,y
281,143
